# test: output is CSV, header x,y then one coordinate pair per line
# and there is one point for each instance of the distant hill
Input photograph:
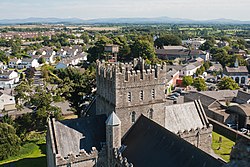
x,y
156,20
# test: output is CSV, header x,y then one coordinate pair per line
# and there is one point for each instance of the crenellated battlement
x,y
82,156
122,161
193,132
131,72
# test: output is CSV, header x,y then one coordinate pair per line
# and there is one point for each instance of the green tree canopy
x,y
200,84
9,141
166,40
144,49
227,83
187,80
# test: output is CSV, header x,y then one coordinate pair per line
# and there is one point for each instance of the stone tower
x,y
131,90
113,136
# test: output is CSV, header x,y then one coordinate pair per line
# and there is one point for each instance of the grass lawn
x,y
32,154
222,148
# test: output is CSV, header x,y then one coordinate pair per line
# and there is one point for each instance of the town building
x,y
237,73
8,78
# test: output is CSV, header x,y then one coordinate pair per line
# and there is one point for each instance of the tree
x,y
227,83
187,80
22,92
41,60
200,84
30,72
144,49
166,40
10,142
85,37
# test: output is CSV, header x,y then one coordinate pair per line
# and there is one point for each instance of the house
x,y
27,63
171,78
194,42
216,67
3,66
31,52
7,103
65,62
237,52
14,62
190,69
49,58
61,53
8,78
237,73
183,53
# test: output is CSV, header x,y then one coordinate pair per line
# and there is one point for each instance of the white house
x,y
31,52
49,58
14,62
71,61
194,42
8,78
190,69
6,100
3,66
27,63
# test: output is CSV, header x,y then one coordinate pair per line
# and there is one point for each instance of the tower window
x,y
133,117
129,96
141,95
150,113
153,93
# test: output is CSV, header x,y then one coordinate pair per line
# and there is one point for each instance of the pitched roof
x,y
113,120
186,116
79,134
236,70
148,144
243,96
174,48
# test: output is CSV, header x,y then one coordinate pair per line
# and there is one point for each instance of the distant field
x,y
101,28
223,148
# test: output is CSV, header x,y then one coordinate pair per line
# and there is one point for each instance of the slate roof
x,y
186,116
240,69
243,109
206,100
174,47
243,96
151,145
79,134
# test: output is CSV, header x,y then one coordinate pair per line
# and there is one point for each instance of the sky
x,y
90,9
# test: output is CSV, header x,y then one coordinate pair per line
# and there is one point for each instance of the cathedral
x,y
133,124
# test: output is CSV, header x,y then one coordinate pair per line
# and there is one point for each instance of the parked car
x,y
233,126
176,94
244,130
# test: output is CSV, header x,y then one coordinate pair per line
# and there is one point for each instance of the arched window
x,y
133,114
150,113
237,80
243,80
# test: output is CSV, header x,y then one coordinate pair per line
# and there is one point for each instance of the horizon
x,y
97,9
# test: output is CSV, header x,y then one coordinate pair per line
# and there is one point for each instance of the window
x,y
133,117
153,93
129,96
141,95
150,113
